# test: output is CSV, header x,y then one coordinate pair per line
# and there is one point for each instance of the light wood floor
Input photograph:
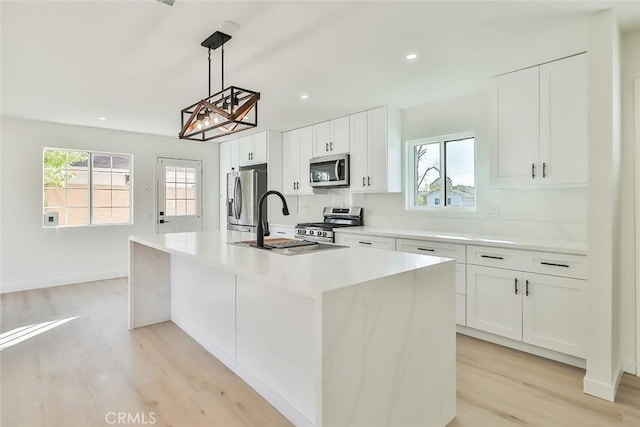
x,y
91,367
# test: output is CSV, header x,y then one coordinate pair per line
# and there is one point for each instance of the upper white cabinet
x,y
375,159
539,125
297,152
331,137
254,149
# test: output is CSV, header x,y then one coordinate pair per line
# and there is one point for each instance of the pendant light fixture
x,y
231,110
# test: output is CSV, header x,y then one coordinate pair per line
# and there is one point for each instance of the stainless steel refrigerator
x,y
244,188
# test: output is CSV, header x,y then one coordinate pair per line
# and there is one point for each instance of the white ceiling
x,y
138,63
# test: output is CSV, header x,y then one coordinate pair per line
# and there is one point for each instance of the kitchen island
x,y
348,336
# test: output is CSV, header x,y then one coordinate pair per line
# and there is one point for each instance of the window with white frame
x,y
86,187
430,161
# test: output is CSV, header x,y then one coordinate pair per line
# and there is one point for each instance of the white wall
x,y
552,213
603,355
628,257
32,256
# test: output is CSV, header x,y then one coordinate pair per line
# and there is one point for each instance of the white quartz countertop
x,y
307,274
561,246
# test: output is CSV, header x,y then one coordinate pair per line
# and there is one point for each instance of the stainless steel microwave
x,y
329,171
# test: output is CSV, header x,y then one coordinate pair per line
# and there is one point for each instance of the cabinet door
x,y
246,150
554,313
377,124
260,148
515,122
291,160
235,154
306,153
321,137
563,121
358,158
339,141
494,301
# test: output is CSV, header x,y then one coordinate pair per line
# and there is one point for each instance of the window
x,y
87,188
428,160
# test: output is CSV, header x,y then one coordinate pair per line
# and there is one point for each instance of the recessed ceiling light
x,y
411,56
103,118
304,96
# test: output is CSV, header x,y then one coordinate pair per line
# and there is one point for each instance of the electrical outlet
x,y
494,211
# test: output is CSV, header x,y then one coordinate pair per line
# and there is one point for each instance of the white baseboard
x,y
50,282
519,345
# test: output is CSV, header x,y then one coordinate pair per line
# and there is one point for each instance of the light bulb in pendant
x,y
199,125
206,122
216,119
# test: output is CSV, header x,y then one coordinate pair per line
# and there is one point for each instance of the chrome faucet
x,y
261,227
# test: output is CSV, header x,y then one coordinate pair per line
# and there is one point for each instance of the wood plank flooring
x,y
88,370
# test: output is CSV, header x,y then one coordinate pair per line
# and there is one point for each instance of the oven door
x,y
329,171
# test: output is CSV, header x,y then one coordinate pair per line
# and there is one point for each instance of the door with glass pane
x,y
179,195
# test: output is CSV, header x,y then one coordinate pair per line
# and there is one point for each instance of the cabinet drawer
x,y
554,264
494,257
366,241
461,310
447,250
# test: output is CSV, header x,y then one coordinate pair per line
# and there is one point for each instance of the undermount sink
x,y
290,246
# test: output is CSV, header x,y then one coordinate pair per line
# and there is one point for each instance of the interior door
x,y
179,201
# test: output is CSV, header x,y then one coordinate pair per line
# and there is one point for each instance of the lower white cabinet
x,y
538,309
494,302
367,241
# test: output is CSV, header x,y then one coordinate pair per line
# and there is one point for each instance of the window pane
x,y
77,197
120,198
191,191
191,175
77,178
171,208
120,181
101,162
181,207
181,191
191,207
460,189
78,216
181,174
119,215
55,197
101,179
101,216
101,198
427,184
170,191
121,164
170,174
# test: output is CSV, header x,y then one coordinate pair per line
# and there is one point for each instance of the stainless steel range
x,y
333,218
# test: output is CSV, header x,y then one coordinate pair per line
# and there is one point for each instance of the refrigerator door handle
x,y
238,196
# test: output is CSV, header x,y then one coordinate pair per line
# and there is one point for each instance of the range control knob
x,y
322,233
311,233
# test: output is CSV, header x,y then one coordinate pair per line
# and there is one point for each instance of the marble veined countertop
x,y
308,274
560,246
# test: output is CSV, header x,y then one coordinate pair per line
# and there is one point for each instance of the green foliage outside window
x,y
57,164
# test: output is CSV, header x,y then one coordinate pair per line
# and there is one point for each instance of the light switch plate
x,y
50,219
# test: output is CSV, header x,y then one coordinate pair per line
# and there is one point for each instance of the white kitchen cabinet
x,y
547,310
563,121
254,149
494,302
375,151
366,241
554,313
539,125
446,250
297,152
331,137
